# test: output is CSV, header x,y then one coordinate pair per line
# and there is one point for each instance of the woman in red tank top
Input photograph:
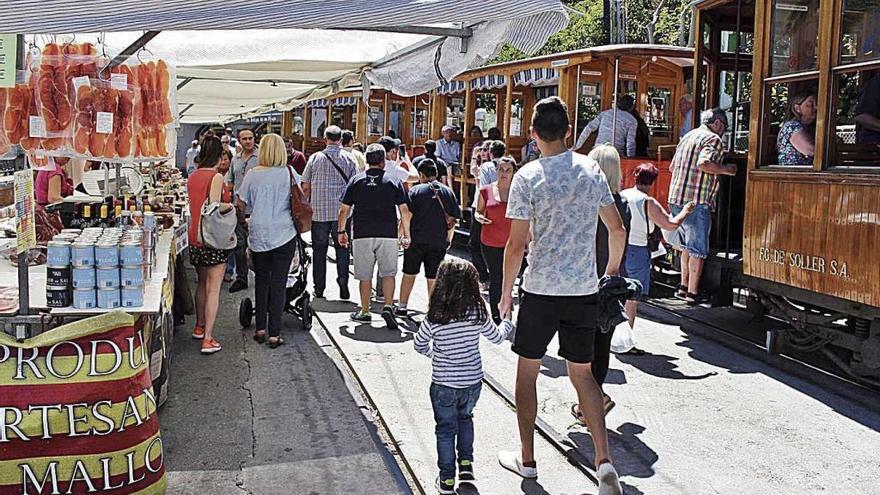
x,y
492,214
209,263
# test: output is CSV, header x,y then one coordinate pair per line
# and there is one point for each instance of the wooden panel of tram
x,y
819,232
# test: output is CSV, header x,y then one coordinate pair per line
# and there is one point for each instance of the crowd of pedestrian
x,y
555,221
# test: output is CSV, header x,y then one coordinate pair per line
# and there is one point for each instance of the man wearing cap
x,y
394,164
448,150
324,180
377,197
616,126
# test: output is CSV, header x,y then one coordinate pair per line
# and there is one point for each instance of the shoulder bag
x,y
216,227
451,221
654,235
300,209
338,169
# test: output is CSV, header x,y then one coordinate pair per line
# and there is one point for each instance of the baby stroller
x,y
299,301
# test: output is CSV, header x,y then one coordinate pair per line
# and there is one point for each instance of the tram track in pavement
x,y
368,405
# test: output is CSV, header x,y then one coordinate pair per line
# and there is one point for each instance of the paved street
x,y
253,420
696,415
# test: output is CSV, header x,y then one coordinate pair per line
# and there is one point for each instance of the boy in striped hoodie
x,y
450,336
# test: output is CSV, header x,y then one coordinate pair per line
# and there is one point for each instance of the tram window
x,y
589,104
546,92
338,117
319,122
736,139
728,42
657,112
517,115
298,119
782,117
628,87
859,33
486,114
375,120
395,118
794,35
455,112
855,140
419,118
707,33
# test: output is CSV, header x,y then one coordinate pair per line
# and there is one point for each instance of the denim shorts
x,y
637,265
693,235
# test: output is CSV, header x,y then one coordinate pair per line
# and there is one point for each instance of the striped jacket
x,y
689,183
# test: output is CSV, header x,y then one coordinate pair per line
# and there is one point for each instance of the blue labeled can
x,y
109,298
82,254
132,276
107,254
84,277
107,277
58,253
131,253
132,297
85,299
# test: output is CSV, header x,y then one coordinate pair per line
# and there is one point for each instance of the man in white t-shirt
x,y
191,155
394,164
554,205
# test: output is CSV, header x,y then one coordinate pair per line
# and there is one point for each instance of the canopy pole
x,y
183,83
614,98
22,331
185,109
130,50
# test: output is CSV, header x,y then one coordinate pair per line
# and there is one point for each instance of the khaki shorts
x,y
374,251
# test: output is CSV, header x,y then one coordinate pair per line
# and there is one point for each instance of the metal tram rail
x,y
368,405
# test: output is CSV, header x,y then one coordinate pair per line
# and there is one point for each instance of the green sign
x,y
8,52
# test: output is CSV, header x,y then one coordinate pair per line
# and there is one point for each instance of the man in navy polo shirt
x,y
376,197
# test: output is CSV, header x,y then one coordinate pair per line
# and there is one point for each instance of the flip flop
x,y
577,415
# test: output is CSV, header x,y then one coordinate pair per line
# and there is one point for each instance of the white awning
x,y
492,81
266,58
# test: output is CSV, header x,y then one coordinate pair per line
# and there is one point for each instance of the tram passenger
x,y
450,335
494,134
796,140
868,112
643,134
646,213
616,126
695,168
686,107
560,285
449,150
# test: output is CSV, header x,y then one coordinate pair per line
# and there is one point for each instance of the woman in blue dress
x,y
797,135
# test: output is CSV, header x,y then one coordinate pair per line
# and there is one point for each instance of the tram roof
x,y
681,56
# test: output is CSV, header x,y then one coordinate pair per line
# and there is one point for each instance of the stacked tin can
x,y
105,268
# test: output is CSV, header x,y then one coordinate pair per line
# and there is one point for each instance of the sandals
x,y
275,342
607,403
682,291
260,336
577,415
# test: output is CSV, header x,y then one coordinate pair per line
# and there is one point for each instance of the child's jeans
x,y
453,416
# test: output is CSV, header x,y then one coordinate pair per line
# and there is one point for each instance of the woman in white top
x,y
645,213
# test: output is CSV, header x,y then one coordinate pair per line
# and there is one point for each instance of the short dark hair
x,y
626,103
430,147
347,137
209,153
550,119
375,154
428,168
387,142
333,133
494,133
646,174
248,129
497,149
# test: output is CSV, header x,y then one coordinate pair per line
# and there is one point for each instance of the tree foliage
x,y
584,31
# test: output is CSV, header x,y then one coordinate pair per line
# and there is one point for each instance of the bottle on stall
x,y
87,220
76,221
104,221
117,215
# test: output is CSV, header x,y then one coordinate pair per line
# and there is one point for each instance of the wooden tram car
x,y
801,239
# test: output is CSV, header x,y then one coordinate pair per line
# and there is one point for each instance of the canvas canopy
x,y
272,55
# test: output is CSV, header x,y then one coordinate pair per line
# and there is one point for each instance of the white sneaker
x,y
512,461
609,483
